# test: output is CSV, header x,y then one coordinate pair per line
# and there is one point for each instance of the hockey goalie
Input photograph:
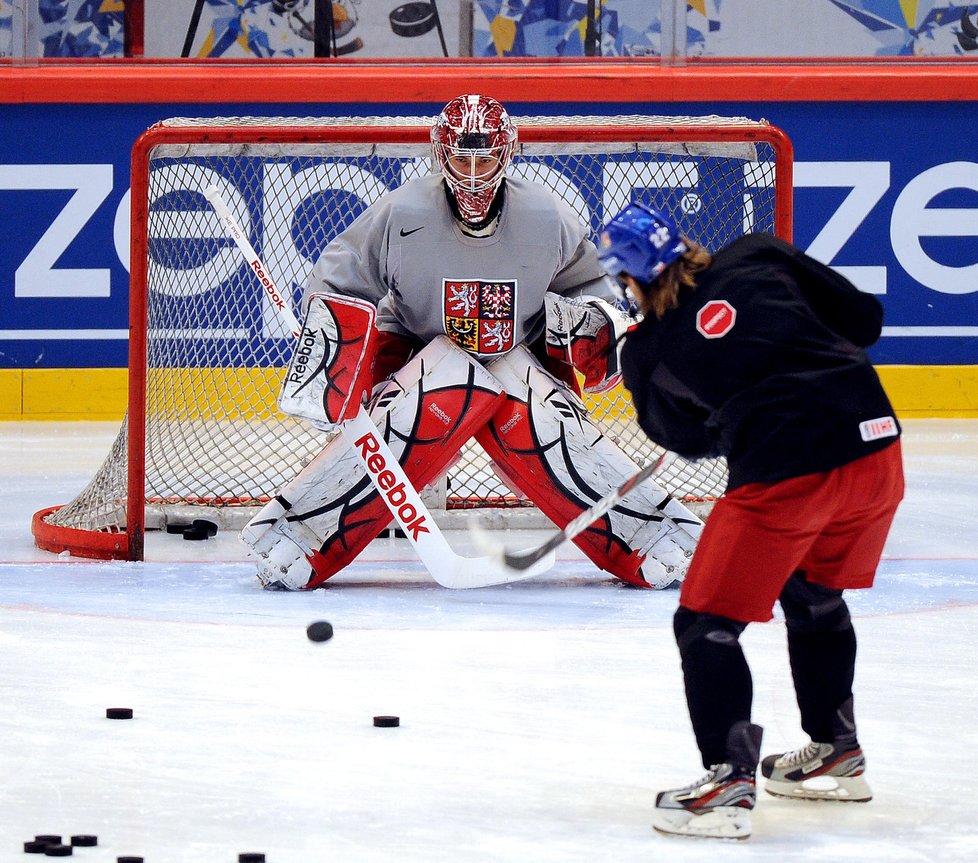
x,y
489,302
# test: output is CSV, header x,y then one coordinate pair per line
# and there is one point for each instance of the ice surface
x,y
538,720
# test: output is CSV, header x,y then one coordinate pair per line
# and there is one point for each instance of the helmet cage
x,y
473,141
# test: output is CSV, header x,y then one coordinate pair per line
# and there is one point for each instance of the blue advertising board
x,y
893,208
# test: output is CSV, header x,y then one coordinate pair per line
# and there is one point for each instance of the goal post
x,y
202,437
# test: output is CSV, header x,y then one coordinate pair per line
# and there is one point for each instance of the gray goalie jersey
x,y
407,255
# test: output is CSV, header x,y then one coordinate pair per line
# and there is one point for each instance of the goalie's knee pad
x,y
321,520
543,443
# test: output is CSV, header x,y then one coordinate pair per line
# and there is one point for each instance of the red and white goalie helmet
x,y
472,142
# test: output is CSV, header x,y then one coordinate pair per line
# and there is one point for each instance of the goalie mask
x,y
472,142
639,242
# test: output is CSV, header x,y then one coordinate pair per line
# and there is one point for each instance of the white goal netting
x,y
203,438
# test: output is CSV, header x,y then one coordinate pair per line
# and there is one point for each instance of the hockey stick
x,y
362,435
525,558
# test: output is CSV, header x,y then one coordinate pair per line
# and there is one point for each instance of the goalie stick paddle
x,y
446,567
524,559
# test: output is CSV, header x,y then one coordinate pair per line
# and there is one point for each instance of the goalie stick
x,y
446,567
523,559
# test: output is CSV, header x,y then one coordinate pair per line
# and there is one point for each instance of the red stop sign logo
x,y
716,319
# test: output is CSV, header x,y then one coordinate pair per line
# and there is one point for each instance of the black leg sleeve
x,y
719,689
822,652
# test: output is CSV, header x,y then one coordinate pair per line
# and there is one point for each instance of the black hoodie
x,y
763,363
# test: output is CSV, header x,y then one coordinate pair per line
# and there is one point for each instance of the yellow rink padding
x,y
101,394
932,391
220,392
11,394
67,394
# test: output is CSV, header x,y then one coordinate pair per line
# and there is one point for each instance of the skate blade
x,y
846,789
723,822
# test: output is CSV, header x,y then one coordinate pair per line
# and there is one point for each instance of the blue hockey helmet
x,y
640,242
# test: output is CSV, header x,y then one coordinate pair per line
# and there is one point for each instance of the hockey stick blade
x,y
523,559
530,563
490,570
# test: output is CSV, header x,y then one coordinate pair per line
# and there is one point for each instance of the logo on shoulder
x,y
878,428
412,231
715,319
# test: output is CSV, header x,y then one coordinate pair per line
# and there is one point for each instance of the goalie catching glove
x,y
587,333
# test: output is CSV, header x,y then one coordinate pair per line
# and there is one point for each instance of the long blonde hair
x,y
663,293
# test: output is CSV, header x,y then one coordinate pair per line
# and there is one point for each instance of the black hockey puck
x,y
58,851
84,840
176,527
48,838
128,860
251,857
387,721
118,713
209,527
319,630
195,533
34,847
413,19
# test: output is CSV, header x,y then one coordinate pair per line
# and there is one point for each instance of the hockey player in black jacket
x,y
755,353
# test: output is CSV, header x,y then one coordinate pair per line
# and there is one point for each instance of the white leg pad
x,y
544,443
321,520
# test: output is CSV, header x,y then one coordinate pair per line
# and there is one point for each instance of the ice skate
x,y
818,771
717,806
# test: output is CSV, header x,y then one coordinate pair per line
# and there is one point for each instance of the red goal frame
x,y
129,544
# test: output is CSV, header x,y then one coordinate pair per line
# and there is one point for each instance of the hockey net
x,y
202,436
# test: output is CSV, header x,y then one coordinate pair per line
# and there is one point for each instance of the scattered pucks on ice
x,y
319,630
387,721
118,713
58,851
84,840
209,527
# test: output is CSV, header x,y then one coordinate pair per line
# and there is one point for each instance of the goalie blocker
x,y
331,370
